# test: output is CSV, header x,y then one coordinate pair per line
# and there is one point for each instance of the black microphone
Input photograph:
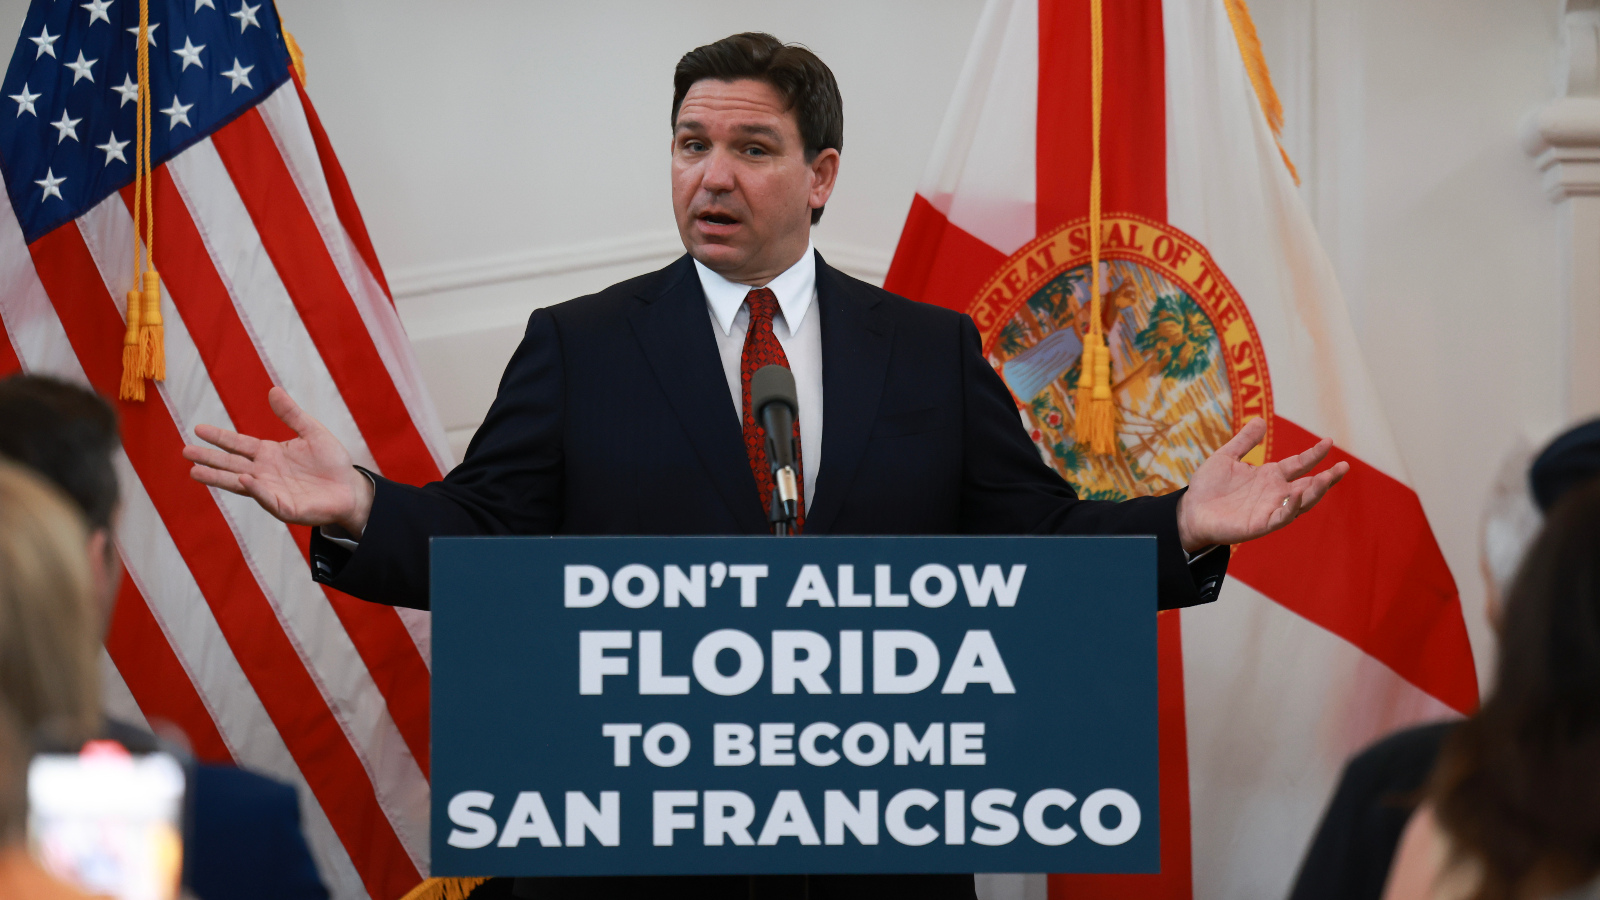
x,y
775,406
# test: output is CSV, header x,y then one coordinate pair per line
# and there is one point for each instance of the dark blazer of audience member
x,y
1513,807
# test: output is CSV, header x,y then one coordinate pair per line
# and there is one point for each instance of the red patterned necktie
x,y
761,348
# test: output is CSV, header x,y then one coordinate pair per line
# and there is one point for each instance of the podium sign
x,y
661,706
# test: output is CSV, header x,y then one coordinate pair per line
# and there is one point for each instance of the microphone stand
x,y
785,502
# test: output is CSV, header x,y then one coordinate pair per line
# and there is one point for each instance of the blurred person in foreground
x,y
1354,848
47,681
244,839
1512,809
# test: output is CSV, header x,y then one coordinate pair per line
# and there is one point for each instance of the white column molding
x,y
1563,136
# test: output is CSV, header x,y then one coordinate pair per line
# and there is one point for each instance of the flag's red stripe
x,y
9,363
391,657
1176,878
1133,130
242,382
1364,564
289,233
344,201
936,262
206,543
155,676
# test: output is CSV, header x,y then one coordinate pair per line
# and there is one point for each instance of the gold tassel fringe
x,y
152,343
444,889
1255,63
132,355
1097,415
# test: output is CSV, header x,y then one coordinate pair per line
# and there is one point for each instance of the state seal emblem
x,y
1187,367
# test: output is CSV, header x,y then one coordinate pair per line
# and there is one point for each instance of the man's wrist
x,y
1186,537
354,524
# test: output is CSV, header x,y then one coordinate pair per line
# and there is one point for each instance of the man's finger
x,y
1319,485
1300,464
232,441
284,407
216,459
1245,441
216,478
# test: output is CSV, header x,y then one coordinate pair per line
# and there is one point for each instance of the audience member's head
x,y
68,435
1517,789
49,623
1570,460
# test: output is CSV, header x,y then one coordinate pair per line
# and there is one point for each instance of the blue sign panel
x,y
662,706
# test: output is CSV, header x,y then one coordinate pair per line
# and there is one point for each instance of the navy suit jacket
x,y
613,417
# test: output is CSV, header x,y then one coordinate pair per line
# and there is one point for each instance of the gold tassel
x,y
296,57
1097,415
444,889
1255,63
152,343
132,358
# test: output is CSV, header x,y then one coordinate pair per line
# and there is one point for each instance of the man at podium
x,y
628,412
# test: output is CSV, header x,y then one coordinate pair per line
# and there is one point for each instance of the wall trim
x,y
868,264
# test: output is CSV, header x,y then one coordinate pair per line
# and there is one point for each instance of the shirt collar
x,y
794,289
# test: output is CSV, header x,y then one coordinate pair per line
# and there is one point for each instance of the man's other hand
x,y
1230,501
307,481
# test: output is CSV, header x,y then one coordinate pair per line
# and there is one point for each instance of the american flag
x,y
268,278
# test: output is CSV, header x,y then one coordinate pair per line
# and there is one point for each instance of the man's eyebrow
x,y
693,127
765,130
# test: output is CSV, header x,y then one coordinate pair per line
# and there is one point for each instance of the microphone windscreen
x,y
772,383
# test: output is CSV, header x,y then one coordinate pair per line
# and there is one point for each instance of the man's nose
x,y
719,172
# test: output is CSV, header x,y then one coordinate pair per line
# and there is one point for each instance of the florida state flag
x,y
1217,305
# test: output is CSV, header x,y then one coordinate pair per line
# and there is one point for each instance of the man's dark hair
x,y
65,433
803,81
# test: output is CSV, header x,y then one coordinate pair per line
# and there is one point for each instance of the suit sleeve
x,y
1008,489
509,483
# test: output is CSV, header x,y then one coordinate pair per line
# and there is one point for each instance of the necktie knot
x,y
763,304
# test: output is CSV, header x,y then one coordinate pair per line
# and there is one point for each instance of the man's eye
x,y
693,146
756,151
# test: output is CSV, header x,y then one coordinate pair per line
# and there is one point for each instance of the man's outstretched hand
x,y
306,481
1230,501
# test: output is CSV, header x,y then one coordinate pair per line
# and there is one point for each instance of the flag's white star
x,y
67,127
129,89
153,26
113,148
46,42
239,75
97,11
200,3
246,16
190,54
51,185
179,113
80,69
25,101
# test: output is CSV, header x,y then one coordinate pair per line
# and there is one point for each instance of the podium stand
x,y
686,705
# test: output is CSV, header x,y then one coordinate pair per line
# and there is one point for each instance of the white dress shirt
x,y
799,334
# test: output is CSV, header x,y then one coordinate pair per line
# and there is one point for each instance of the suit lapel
x,y
673,327
856,339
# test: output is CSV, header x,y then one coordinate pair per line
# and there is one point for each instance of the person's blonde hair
x,y
49,624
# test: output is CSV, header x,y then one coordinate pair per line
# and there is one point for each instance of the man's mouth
x,y
718,218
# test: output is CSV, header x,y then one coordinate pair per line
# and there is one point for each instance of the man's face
x,y
742,190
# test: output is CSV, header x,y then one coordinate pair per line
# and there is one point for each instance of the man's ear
x,y
105,571
824,174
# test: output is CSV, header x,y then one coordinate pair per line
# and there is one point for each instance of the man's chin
x,y
719,258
